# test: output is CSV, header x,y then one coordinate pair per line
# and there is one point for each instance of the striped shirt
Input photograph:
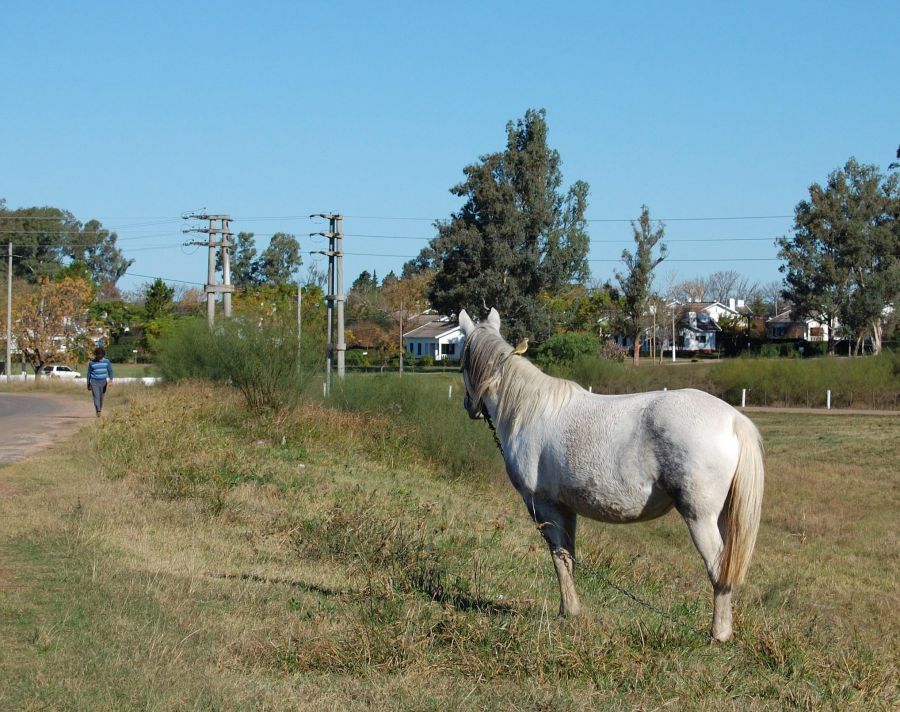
x,y
100,370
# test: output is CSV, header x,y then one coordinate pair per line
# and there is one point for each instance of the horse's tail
x,y
744,504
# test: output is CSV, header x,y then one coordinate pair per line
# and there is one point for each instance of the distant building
x,y
782,327
440,337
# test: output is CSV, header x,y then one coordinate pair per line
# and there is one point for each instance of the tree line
x,y
519,243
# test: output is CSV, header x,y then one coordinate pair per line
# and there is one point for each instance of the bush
x,y
260,359
119,353
566,348
357,357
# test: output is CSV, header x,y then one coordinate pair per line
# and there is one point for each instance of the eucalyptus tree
x,y
46,239
842,265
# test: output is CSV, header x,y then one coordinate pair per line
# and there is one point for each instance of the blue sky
x,y
135,113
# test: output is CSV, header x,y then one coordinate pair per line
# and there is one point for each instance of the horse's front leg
x,y
556,522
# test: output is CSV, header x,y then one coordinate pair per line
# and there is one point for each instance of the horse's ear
x,y
465,321
494,319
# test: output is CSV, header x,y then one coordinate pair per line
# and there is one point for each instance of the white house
x,y
441,338
697,326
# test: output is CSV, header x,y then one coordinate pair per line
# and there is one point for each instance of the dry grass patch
x,y
209,559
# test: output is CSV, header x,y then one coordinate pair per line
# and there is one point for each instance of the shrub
x,y
611,351
566,348
259,358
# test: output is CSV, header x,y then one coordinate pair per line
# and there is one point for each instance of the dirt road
x,y
33,421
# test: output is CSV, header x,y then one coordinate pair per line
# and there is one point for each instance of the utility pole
x,y
401,336
226,265
339,255
299,319
9,313
334,296
225,243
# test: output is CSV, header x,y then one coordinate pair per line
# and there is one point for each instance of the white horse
x,y
623,458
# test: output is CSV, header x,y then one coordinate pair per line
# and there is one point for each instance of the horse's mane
x,y
523,390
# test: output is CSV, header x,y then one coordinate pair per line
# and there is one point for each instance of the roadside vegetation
x,y
191,552
862,383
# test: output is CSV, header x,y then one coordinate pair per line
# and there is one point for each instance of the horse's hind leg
x,y
556,523
708,540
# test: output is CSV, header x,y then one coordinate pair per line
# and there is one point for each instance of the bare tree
x,y
771,293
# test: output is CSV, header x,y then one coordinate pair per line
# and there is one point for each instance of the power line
x,y
593,242
701,259
159,220
164,279
601,220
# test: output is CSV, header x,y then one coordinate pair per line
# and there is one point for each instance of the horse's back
x,y
631,457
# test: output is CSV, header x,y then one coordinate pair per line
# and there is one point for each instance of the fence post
x,y
828,400
450,392
743,397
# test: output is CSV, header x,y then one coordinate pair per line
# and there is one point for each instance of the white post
x,y
450,392
590,389
673,335
828,400
743,397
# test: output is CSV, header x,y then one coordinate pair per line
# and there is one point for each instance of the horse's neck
x,y
525,393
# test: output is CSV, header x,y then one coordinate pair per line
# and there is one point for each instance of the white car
x,y
59,372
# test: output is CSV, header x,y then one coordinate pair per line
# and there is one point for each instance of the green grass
x,y
183,554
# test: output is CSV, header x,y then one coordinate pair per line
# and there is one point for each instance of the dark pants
x,y
98,388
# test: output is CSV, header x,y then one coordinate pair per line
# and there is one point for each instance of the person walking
x,y
99,375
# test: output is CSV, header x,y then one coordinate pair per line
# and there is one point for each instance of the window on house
x,y
448,349
419,349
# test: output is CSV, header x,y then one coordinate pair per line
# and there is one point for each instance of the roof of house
x,y
437,327
703,322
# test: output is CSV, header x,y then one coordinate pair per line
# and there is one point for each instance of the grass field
x,y
184,554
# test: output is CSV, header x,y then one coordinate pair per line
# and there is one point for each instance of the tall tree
x,y
365,301
45,239
158,300
95,247
516,237
637,279
843,262
281,259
